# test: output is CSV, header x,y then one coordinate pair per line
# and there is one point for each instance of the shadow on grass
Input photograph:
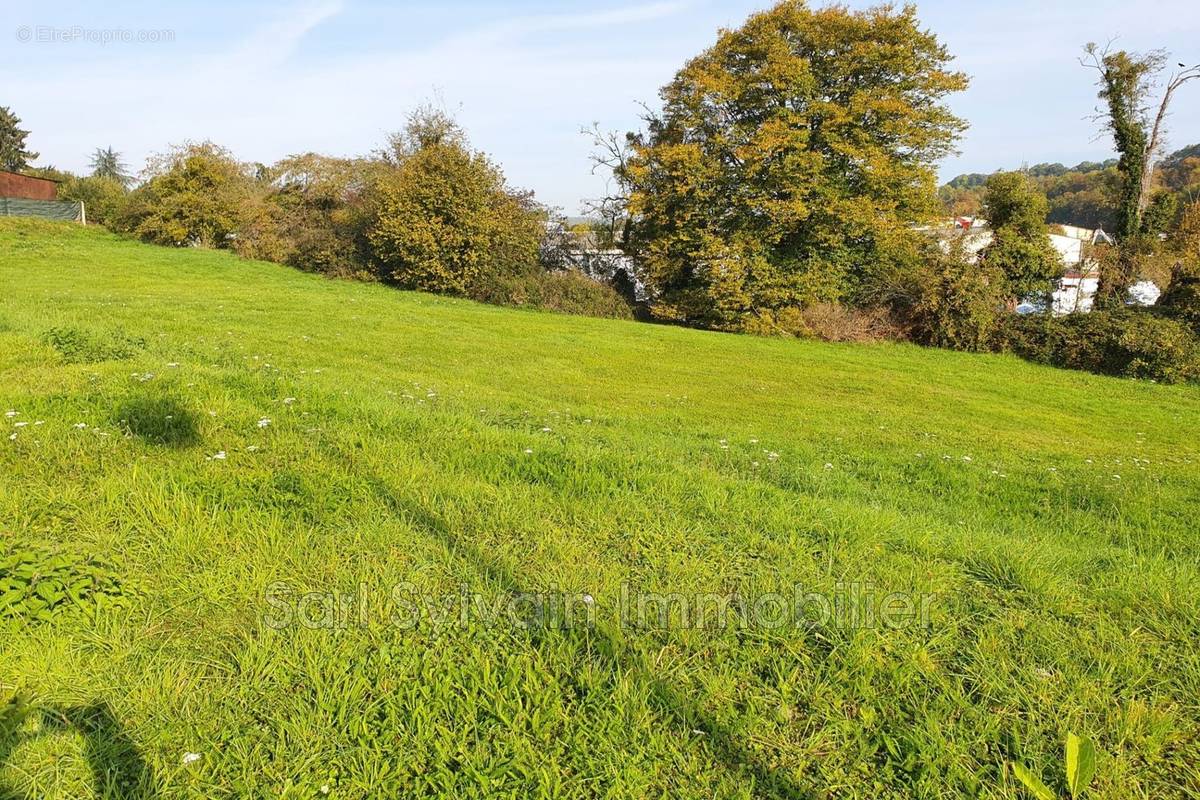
x,y
118,769
161,421
674,706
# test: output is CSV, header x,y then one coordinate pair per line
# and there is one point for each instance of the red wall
x,y
14,185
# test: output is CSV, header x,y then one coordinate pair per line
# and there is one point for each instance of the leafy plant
x,y
79,346
39,585
1080,758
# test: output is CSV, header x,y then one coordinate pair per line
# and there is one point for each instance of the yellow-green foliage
x,y
102,197
443,221
199,195
788,161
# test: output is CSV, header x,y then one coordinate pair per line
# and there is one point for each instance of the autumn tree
x,y
14,156
788,162
1020,249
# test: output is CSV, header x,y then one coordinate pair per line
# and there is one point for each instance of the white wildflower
x,y
20,424
190,758
528,452
829,466
80,425
218,456
264,422
12,438
287,401
10,414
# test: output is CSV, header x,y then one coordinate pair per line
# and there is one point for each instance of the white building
x,y
1080,281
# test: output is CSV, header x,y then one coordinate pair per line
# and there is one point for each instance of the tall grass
x,y
233,435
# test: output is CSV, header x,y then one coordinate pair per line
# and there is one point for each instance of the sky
x,y
523,77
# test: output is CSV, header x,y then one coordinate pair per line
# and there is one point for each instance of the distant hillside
x,y
1083,194
972,180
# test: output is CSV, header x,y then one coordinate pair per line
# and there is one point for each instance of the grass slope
x,y
438,444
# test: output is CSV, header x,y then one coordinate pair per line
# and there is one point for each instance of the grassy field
x,y
268,493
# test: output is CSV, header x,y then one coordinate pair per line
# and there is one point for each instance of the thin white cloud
x,y
276,42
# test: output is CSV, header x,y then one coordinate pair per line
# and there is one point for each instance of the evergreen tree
x,y
13,155
106,163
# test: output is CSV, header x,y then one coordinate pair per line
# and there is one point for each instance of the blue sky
x,y
271,79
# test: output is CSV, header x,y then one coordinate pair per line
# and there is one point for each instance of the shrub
x,y
831,322
103,198
1181,300
314,216
1126,343
959,304
79,346
566,292
443,219
199,195
1020,248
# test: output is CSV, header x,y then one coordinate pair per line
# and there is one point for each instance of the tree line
x,y
785,185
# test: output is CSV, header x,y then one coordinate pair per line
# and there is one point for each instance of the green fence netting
x,y
48,209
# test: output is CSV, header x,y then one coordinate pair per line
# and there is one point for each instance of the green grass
x,y
439,444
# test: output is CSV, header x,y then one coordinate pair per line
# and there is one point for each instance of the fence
x,y
47,209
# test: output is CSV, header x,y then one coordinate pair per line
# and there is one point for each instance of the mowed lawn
x,y
239,441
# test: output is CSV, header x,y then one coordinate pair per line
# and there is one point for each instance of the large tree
x,y
788,162
14,157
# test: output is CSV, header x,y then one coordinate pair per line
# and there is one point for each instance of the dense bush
x,y
1181,300
103,198
1020,248
443,219
315,216
568,292
199,194
959,303
1128,343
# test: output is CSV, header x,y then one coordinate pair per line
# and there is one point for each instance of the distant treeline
x,y
1086,194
